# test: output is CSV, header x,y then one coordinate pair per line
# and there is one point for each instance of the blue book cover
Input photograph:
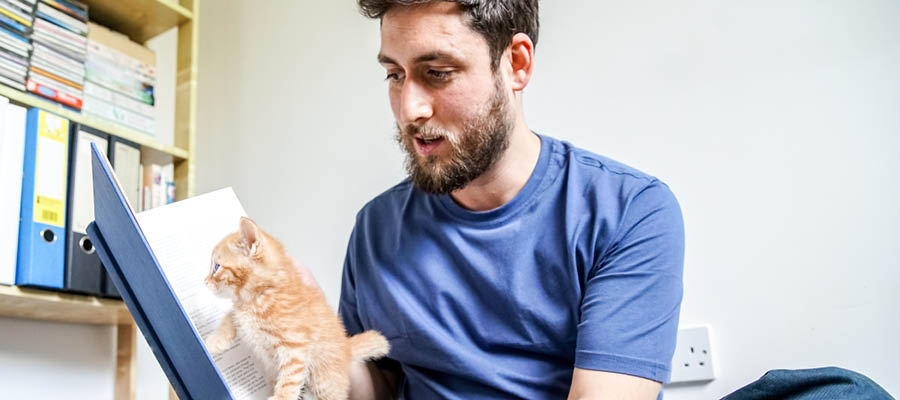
x,y
136,272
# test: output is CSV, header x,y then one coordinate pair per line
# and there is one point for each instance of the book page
x,y
182,236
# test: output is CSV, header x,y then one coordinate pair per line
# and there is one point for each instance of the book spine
x,y
53,84
62,73
45,52
119,100
14,47
56,78
78,7
11,83
13,35
12,75
133,120
62,19
13,24
99,108
61,46
10,11
24,8
48,64
11,66
50,83
66,8
108,55
53,94
40,24
109,81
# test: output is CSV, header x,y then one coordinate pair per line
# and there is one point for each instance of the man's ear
x,y
250,237
521,60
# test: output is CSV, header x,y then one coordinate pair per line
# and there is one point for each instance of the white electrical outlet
x,y
693,356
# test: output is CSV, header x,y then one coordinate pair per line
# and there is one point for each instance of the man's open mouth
x,y
427,145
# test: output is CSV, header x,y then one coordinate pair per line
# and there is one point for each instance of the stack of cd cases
x,y
16,21
59,50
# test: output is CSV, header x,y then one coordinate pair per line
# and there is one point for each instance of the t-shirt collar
x,y
511,207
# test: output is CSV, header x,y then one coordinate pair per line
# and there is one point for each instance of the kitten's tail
x,y
369,345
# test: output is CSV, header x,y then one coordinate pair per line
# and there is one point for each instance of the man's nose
x,y
415,103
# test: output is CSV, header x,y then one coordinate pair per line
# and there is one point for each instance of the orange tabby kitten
x,y
286,322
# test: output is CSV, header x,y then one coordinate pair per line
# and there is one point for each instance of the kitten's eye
x,y
215,268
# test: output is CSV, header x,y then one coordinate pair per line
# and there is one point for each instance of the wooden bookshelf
x,y
17,302
140,20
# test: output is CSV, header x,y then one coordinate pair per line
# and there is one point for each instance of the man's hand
x,y
368,382
588,384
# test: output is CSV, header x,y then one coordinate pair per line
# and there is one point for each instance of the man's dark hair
x,y
496,20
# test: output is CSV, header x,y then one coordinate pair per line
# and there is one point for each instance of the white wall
x,y
777,127
46,360
776,124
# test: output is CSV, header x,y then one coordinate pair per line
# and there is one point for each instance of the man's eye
x,y
392,77
439,75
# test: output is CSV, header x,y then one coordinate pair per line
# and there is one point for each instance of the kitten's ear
x,y
250,236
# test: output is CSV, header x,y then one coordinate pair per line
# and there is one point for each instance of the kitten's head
x,y
238,257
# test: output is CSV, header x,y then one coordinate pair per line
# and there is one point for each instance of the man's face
x,y
452,110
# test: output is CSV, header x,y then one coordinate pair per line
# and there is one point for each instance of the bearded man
x,y
509,265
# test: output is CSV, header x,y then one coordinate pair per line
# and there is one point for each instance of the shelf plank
x,y
45,305
140,20
95,122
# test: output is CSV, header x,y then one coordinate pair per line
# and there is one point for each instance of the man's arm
x,y
589,384
369,382
631,302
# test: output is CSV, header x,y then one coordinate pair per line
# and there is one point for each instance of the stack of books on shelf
x,y
59,39
16,20
121,75
158,185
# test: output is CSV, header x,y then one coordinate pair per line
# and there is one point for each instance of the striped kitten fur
x,y
286,322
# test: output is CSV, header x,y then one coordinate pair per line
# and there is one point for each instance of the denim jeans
x,y
811,384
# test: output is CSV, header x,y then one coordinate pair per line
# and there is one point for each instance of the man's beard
x,y
483,141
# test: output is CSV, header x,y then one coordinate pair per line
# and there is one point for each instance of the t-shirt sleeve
x,y
347,308
632,297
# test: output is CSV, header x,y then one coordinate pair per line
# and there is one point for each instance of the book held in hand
x,y
158,260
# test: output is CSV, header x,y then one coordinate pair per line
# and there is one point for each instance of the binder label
x,y
50,176
83,193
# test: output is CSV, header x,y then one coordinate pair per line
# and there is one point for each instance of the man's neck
x,y
507,177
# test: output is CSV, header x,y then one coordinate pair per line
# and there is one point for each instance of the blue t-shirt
x,y
583,268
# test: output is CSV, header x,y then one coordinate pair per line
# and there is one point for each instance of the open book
x,y
158,260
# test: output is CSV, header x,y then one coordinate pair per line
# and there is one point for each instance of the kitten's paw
x,y
217,344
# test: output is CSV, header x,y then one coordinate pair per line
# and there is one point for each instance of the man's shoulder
x,y
603,180
388,201
594,169
591,161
